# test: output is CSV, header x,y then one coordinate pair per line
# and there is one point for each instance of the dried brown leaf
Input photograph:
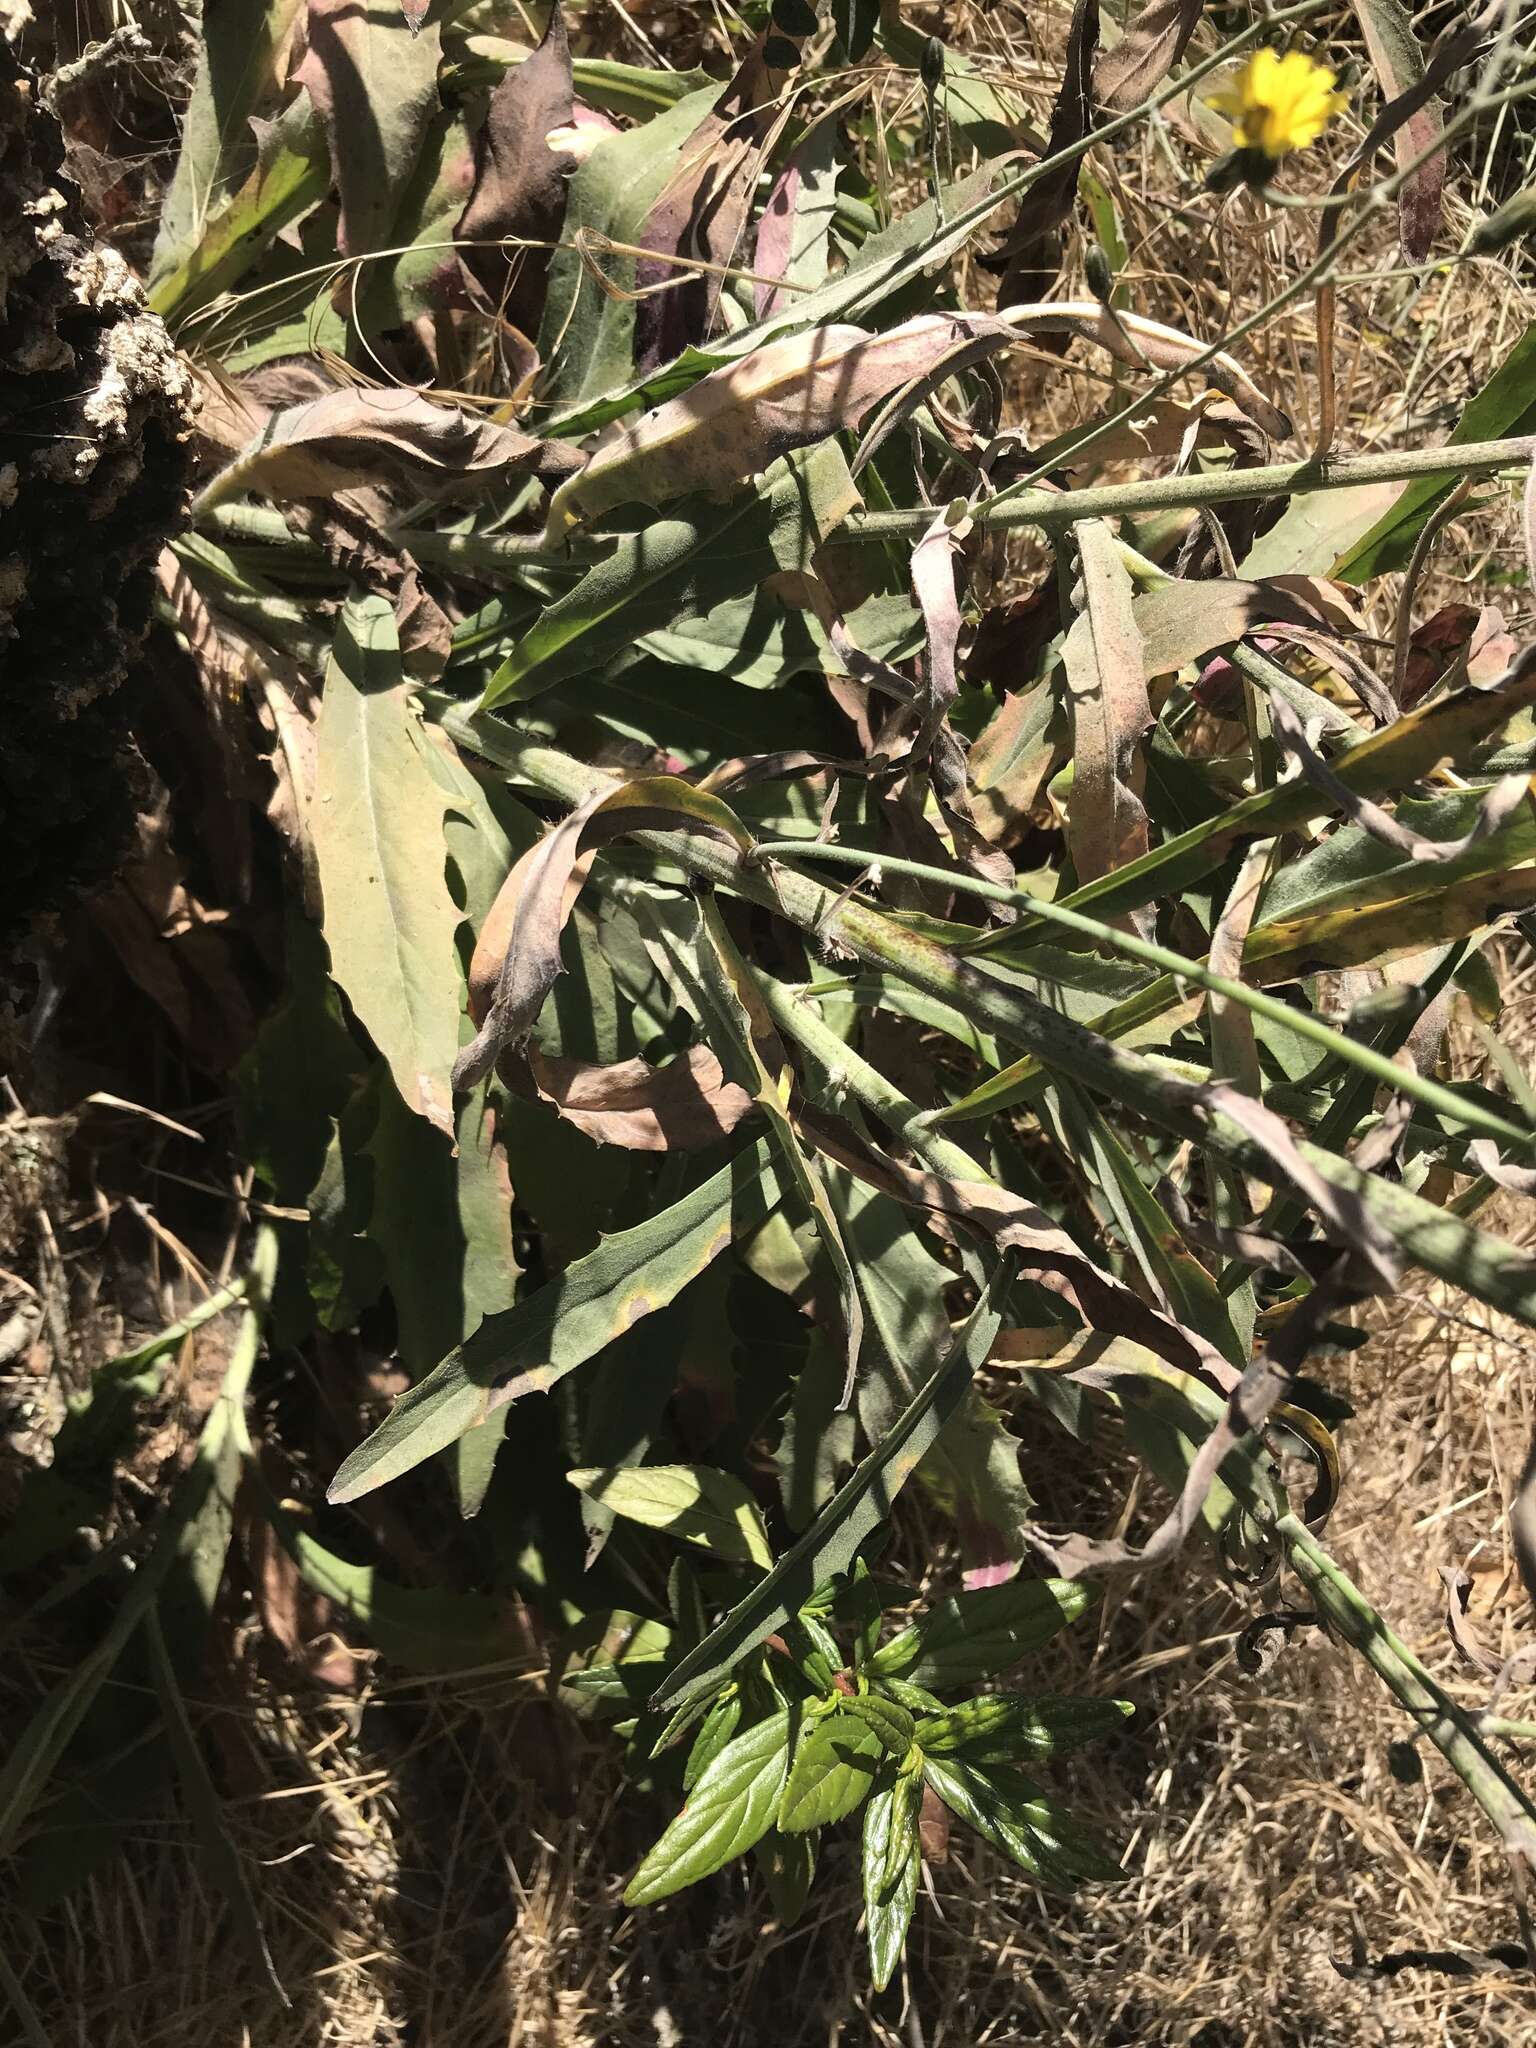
x,y
358,436
1105,663
520,180
738,419
1396,52
681,1107
1497,806
1141,343
1152,44
701,211
517,959
1234,1047
1031,256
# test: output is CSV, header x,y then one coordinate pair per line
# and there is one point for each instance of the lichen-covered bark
x,y
95,410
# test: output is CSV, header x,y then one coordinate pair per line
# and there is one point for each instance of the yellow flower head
x,y
1280,103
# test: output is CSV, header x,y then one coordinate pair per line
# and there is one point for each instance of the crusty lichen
x,y
95,413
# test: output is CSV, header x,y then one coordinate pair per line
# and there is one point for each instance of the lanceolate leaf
x,y
1002,1726
892,1860
834,1769
425,276
681,567
586,339
289,176
1505,405
794,233
731,1807
530,913
701,211
378,833
896,259
787,1864
1010,1812
374,84
238,73
734,1010
831,1543
692,1502
569,1320
971,1636
1449,729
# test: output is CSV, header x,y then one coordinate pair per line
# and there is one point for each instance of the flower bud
x,y
1100,278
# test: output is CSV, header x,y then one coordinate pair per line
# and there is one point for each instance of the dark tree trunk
x,y
95,412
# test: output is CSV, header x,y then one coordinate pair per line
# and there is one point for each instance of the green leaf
x,y
915,1698
692,1502
910,253
291,174
1009,1811
421,277
829,1546
1450,729
973,1469
788,1865
752,1054
833,1771
237,75
532,1346
715,1732
681,567
971,1636
730,1808
373,81
614,1656
1505,405
1172,1271
890,1721
1001,1726
378,833
586,340
892,1859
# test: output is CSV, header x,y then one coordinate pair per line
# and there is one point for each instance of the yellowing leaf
x,y
692,1502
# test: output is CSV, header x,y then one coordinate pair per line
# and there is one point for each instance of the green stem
x,y
1050,510
1513,1731
1053,509
1456,1734
1443,1101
